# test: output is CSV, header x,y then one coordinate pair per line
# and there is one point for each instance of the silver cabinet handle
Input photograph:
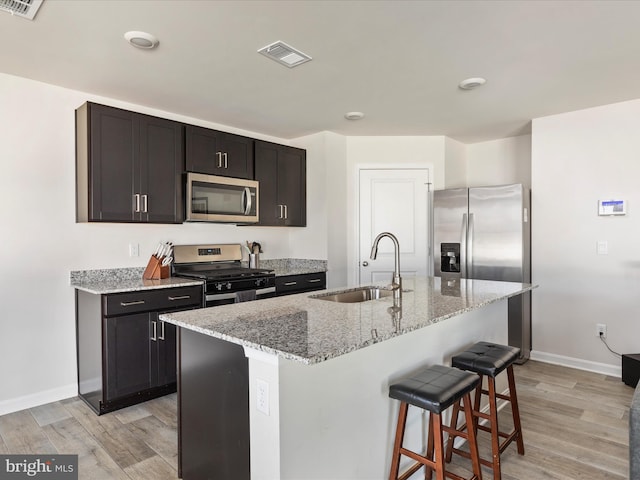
x,y
136,201
284,212
219,163
181,297
365,264
161,337
154,337
314,280
288,284
144,203
135,302
226,164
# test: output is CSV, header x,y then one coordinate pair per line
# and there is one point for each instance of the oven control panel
x,y
245,284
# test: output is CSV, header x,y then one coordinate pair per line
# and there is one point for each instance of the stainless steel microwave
x,y
211,198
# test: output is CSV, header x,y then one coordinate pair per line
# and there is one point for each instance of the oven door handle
x,y
232,295
220,296
263,291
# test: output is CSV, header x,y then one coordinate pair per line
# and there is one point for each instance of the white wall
x,y
455,154
577,159
42,243
499,162
327,190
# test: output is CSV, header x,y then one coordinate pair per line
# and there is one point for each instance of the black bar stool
x,y
434,389
488,360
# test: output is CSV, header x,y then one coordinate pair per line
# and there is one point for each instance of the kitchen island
x,y
297,386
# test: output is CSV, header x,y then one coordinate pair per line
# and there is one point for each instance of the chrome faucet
x,y
396,281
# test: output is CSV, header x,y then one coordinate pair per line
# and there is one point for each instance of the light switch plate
x,y
602,247
134,250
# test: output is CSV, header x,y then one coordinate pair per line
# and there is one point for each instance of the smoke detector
x,y
21,8
284,54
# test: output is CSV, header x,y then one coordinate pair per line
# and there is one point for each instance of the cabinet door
x,y
113,164
281,171
239,156
292,186
266,172
166,364
218,153
161,166
127,355
129,166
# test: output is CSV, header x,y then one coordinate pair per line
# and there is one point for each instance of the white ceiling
x,y
399,62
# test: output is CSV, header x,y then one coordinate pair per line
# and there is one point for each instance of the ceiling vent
x,y
21,8
284,54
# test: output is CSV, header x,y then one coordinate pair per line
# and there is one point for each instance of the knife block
x,y
155,270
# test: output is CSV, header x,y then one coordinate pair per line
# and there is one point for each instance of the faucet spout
x,y
396,281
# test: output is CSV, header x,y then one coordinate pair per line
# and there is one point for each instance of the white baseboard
x,y
37,399
603,368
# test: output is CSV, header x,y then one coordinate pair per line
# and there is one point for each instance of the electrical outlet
x,y
262,396
134,250
601,330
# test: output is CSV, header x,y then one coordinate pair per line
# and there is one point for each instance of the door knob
x,y
365,264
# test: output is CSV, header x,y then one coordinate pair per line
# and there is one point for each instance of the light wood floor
x,y
575,426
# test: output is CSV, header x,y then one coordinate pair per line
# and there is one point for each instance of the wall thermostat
x,y
612,207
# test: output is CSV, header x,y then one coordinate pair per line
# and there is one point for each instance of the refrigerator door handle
x,y
463,247
470,272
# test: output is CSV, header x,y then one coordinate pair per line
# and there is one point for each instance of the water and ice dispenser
x,y
450,257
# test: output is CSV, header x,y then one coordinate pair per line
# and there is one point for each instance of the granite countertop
x,y
305,329
119,280
294,266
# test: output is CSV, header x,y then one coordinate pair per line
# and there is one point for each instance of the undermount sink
x,y
362,294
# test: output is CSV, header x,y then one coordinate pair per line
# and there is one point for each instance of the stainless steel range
x,y
226,279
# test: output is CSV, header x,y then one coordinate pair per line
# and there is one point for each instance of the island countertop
x,y
310,330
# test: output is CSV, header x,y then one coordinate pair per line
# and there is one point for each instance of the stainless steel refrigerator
x,y
484,233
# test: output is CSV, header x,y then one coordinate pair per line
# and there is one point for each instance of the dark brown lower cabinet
x,y
126,355
141,354
306,282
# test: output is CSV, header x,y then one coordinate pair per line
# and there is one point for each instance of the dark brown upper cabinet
x,y
218,153
282,173
129,166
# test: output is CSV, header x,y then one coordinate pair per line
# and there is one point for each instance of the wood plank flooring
x,y
575,426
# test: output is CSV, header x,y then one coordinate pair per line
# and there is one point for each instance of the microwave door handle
x,y
247,196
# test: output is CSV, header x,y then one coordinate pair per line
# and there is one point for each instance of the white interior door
x,y
394,201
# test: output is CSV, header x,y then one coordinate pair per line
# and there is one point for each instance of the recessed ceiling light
x,y
354,115
471,83
142,40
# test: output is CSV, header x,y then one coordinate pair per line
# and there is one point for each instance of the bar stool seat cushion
x,y
435,388
486,358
